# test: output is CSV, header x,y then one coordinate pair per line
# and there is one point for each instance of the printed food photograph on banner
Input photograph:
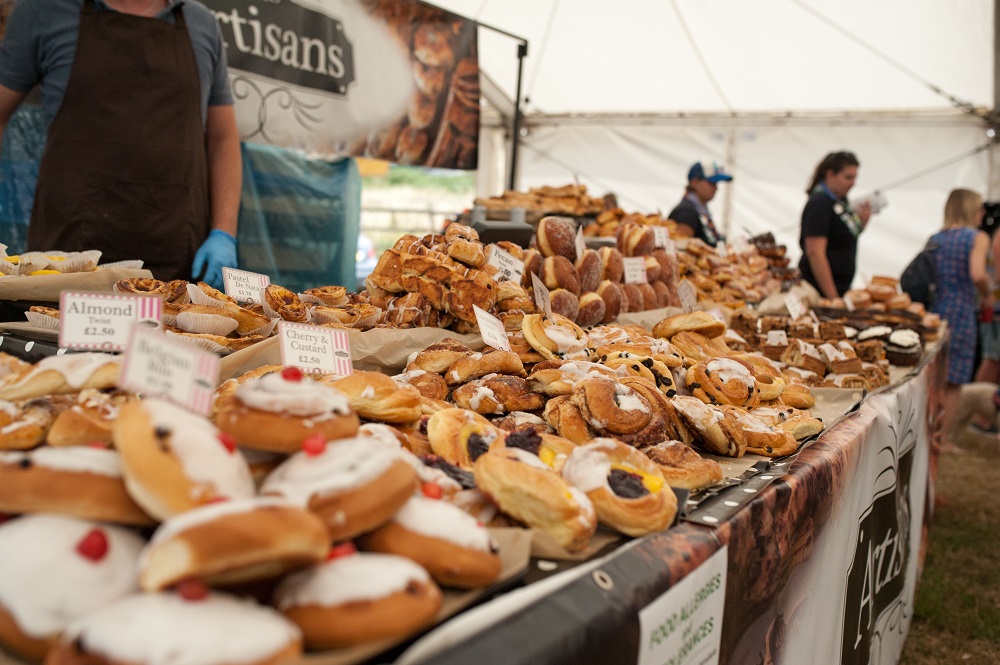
x,y
441,124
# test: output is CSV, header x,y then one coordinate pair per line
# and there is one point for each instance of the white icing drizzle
x,y
628,400
730,370
482,392
587,515
832,353
697,411
751,423
566,340
440,519
368,392
75,459
9,408
430,474
164,629
275,394
527,458
405,378
520,418
76,368
361,576
588,466
905,338
380,434
46,584
874,331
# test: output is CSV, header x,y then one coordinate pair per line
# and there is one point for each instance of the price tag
x,y
722,249
510,268
635,270
243,285
542,299
492,330
104,320
687,294
848,303
661,236
669,247
717,314
794,304
315,349
156,364
581,244
776,338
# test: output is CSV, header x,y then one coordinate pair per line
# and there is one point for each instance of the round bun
x,y
557,237
558,273
565,303
590,270
612,297
532,265
648,295
636,301
592,310
612,265
662,294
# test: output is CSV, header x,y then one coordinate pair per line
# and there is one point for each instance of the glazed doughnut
x,y
276,413
557,237
500,393
174,460
524,487
723,381
441,537
590,269
592,310
558,273
358,597
331,296
682,467
612,297
266,638
25,424
81,481
476,365
89,420
375,396
633,294
627,489
519,420
57,569
710,427
232,542
555,337
428,384
699,322
612,265
564,303
461,436
284,304
70,373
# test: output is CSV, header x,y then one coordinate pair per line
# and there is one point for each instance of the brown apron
x,y
124,168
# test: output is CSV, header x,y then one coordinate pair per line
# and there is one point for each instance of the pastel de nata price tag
x,y
542,298
104,320
684,625
581,244
509,266
492,330
635,270
794,304
688,296
157,364
244,286
661,236
315,349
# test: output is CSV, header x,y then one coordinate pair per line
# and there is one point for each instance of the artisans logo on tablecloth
x,y
286,42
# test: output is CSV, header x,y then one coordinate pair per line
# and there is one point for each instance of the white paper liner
x,y
212,324
370,320
40,320
200,342
127,264
32,261
322,314
170,319
199,297
8,268
310,300
264,331
271,314
78,262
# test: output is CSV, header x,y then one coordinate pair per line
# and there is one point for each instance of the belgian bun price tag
x,y
542,298
243,285
156,364
492,330
661,236
635,270
315,349
795,307
581,244
104,320
510,267
687,294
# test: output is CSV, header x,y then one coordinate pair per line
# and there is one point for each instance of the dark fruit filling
x,y
525,439
477,446
460,476
626,485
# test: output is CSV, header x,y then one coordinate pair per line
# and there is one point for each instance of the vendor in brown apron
x,y
124,170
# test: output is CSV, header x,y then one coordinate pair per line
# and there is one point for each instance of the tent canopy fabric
x,y
624,98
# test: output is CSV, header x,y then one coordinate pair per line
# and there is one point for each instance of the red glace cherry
x,y
432,490
4,517
291,374
93,546
228,441
339,550
314,445
192,589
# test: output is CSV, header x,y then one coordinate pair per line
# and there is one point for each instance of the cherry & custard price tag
x,y
492,330
542,298
243,285
687,294
156,364
510,267
635,270
315,349
104,320
795,307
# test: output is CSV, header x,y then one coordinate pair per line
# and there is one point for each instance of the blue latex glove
x,y
218,251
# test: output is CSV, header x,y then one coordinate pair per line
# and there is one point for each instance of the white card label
x,y
684,625
722,249
635,270
243,285
542,298
581,244
717,314
669,247
661,236
687,294
794,304
104,320
158,364
510,267
315,349
848,303
492,330
776,338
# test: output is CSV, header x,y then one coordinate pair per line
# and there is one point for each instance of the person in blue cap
x,y
691,214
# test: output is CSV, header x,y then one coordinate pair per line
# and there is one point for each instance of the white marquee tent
x,y
625,96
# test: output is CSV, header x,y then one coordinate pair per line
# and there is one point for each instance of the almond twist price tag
x,y
315,349
492,330
688,296
509,266
156,364
104,320
635,270
542,298
244,286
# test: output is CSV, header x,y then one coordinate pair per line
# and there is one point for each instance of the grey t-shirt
x,y
40,43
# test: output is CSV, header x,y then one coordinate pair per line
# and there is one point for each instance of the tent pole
x,y
993,175
515,139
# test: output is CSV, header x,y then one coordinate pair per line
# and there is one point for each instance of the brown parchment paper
x,y
46,288
544,546
25,329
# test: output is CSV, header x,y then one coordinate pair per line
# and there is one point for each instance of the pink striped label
x,y
156,364
243,285
104,320
315,349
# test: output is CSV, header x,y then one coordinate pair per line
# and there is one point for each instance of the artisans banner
x,y
387,79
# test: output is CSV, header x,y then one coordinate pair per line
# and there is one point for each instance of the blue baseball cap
x,y
716,174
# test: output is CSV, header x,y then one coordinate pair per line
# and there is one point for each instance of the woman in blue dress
x,y
960,262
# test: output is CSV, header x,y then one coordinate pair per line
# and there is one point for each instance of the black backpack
x,y
919,280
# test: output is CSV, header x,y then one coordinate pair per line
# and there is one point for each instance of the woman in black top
x,y
830,228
